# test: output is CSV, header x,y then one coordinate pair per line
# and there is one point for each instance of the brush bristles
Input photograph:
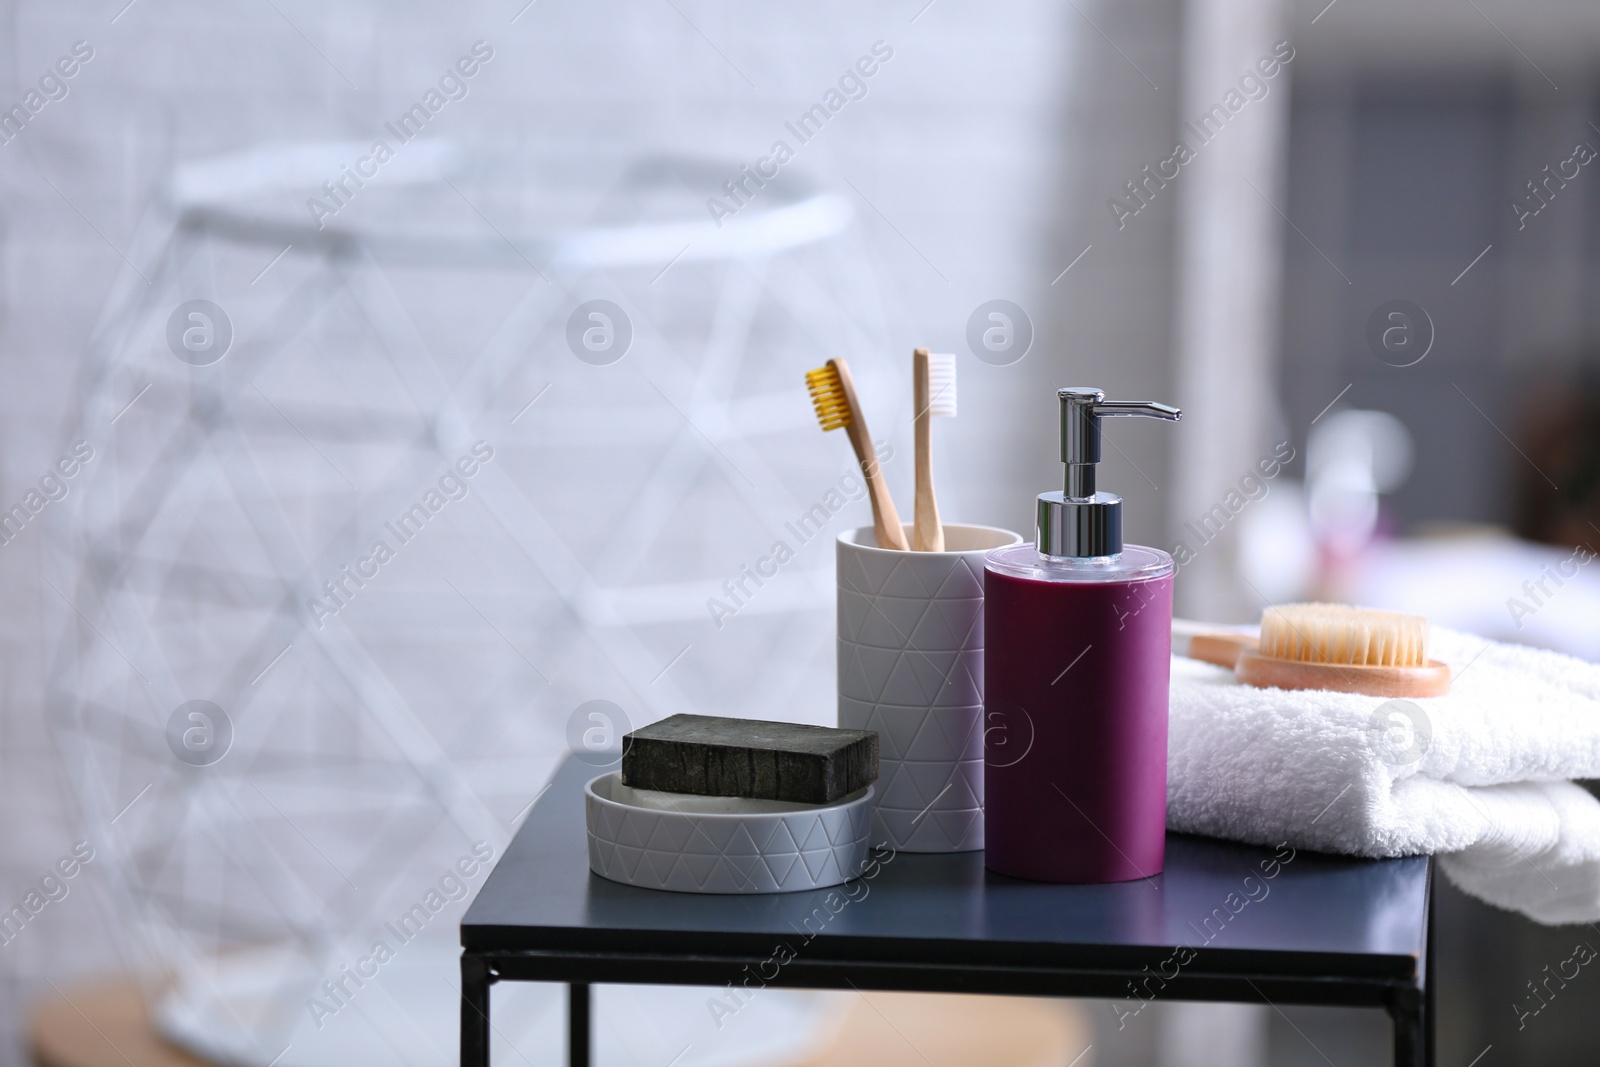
x,y
942,384
1340,634
827,393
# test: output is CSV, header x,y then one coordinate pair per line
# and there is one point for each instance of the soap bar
x,y
712,756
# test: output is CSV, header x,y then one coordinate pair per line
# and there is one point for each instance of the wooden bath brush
x,y
1329,646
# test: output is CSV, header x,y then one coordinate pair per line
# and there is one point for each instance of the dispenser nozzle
x,y
1080,521
1081,411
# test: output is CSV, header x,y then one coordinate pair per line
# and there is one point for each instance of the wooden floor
x,y
948,1030
105,1025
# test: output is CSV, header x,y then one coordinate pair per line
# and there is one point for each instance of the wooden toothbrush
x,y
834,395
933,393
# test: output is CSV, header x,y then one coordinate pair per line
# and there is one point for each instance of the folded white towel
x,y
1481,775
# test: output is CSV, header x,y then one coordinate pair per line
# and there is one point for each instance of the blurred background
x,y
566,309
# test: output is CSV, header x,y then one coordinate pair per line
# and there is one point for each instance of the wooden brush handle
x,y
927,533
1208,642
1223,649
885,519
1266,672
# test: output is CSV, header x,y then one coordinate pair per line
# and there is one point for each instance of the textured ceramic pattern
x,y
689,852
910,647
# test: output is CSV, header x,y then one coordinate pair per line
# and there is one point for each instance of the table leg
x,y
1430,997
475,982
578,1027
1408,1009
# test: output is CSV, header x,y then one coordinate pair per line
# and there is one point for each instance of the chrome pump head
x,y
1079,521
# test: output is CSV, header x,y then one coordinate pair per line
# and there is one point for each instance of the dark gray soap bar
x,y
713,756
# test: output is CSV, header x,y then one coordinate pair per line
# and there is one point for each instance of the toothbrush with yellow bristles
x,y
834,395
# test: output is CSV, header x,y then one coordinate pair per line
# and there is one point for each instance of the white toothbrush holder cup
x,y
911,668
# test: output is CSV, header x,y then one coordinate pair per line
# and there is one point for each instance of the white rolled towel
x,y
1481,777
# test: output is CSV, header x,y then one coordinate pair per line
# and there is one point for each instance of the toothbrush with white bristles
x,y
934,395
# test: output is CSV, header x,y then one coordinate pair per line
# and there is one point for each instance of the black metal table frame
x,y
1408,1003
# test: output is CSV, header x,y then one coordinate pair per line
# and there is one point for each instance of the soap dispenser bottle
x,y
1078,635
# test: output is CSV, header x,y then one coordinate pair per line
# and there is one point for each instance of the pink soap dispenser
x,y
1078,630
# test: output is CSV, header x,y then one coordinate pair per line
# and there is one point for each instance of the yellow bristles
x,y
827,393
1341,634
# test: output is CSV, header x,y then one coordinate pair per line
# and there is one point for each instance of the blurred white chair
x,y
217,508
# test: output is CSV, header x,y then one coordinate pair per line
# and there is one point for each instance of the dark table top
x,y
1317,915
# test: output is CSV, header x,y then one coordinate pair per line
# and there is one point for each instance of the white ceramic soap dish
x,y
695,844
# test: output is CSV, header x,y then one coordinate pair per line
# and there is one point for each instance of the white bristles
x,y
942,384
1338,633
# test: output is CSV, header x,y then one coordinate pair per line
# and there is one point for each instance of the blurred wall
x,y
977,167
1415,129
